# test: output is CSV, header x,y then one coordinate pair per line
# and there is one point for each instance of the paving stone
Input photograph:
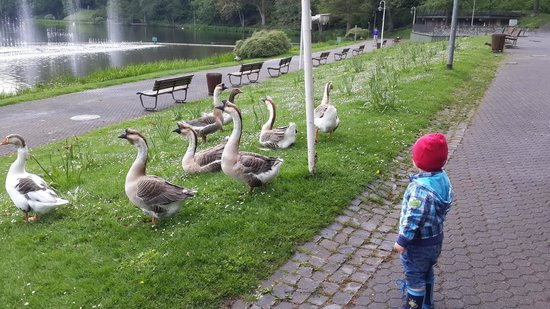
x,y
333,306
299,297
352,287
284,305
317,299
342,298
307,284
266,301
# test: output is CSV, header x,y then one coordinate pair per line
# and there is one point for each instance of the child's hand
x,y
397,247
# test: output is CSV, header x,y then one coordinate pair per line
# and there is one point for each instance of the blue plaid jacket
x,y
425,205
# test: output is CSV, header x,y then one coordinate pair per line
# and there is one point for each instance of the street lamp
x,y
473,12
383,9
413,11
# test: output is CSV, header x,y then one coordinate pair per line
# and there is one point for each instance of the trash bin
x,y
378,45
212,80
497,42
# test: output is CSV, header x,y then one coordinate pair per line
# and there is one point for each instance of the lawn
x,y
99,251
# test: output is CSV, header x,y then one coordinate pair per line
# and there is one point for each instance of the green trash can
x,y
497,42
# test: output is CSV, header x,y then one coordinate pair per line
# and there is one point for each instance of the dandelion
x,y
377,172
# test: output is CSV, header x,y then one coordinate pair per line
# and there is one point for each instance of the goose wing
x,y
202,122
270,138
210,155
256,163
320,110
35,189
154,190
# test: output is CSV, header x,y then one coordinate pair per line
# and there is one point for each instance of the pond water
x,y
55,51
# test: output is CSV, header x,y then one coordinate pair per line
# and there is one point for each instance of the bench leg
x,y
253,80
149,109
233,84
285,71
318,62
277,70
180,100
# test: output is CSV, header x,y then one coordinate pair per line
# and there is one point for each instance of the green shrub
x,y
264,43
361,33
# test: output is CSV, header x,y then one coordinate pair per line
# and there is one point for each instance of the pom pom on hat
x,y
429,153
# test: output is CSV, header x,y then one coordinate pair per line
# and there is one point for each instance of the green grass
x,y
536,21
82,16
136,72
98,250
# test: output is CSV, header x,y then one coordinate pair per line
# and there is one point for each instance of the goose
x,y
28,191
251,168
325,115
226,117
155,196
281,137
208,160
210,123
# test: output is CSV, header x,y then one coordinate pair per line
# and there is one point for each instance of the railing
x,y
461,30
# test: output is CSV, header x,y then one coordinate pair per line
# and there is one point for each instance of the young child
x,y
425,204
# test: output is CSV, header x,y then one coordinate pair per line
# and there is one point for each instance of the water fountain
x,y
113,21
27,27
72,6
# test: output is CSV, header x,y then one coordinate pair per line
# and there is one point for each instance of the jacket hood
x,y
438,183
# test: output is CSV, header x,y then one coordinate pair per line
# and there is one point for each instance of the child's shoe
x,y
429,297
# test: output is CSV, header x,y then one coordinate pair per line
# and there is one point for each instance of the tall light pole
x,y
308,81
452,36
413,11
473,11
383,9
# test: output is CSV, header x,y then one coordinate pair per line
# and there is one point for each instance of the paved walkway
x,y
48,120
497,249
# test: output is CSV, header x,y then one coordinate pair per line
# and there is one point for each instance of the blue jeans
x,y
418,264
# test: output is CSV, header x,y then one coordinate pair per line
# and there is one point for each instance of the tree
x,y
228,8
536,6
288,13
262,6
349,11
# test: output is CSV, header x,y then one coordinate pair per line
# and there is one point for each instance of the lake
x,y
56,51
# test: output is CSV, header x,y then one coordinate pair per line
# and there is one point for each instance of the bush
x,y
361,33
49,17
263,43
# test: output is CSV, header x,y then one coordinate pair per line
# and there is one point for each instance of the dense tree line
x,y
267,13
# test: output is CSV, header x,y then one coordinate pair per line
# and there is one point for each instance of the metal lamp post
x,y
473,12
413,11
383,9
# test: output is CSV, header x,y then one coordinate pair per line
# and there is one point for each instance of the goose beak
x,y
122,135
4,141
220,107
224,87
177,130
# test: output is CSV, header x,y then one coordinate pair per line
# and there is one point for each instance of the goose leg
x,y
316,135
329,134
154,220
204,139
250,189
33,218
26,217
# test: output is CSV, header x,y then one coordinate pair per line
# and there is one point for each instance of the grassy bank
x,y
98,251
131,73
536,21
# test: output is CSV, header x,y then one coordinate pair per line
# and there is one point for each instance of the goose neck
x,y
140,164
192,148
235,137
18,166
326,95
271,120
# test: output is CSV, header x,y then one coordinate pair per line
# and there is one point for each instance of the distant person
x,y
425,204
375,35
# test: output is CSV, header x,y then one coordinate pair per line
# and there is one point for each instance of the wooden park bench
x,y
249,69
358,50
342,55
164,86
322,59
282,68
512,39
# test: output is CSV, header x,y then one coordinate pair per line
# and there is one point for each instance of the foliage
x,y
98,251
264,43
535,21
360,33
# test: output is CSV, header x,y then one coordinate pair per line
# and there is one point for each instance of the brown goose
x,y
281,137
28,191
155,196
226,117
208,160
251,168
209,124
325,115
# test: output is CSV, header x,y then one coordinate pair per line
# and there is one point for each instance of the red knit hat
x,y
429,153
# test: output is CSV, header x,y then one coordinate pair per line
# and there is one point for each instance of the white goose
x,y
28,191
155,196
226,117
251,168
325,115
281,137
209,123
209,160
